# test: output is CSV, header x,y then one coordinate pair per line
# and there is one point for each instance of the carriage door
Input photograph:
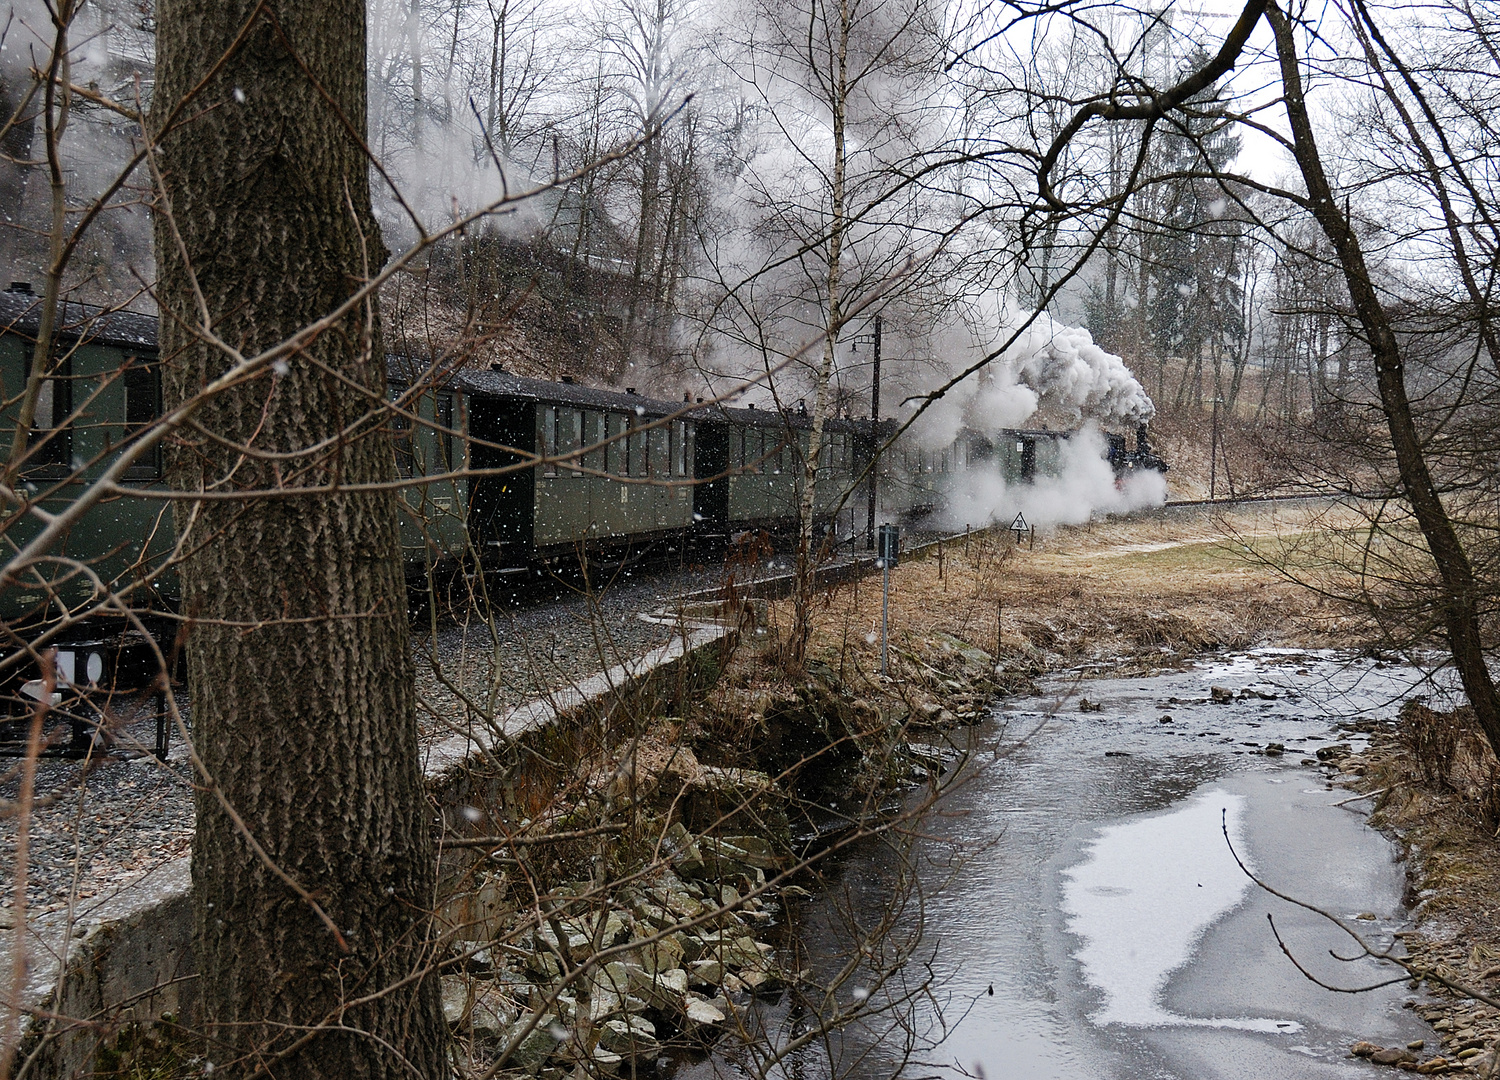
x,y
711,459
1028,460
500,507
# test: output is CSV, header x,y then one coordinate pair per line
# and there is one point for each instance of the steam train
x,y
510,477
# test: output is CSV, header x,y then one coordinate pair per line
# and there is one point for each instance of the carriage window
x,y
679,448
142,383
401,436
593,435
569,435
445,423
660,461
690,436
549,440
615,453
51,439
635,464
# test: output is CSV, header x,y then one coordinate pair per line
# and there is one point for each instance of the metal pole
x,y
885,615
1213,452
874,442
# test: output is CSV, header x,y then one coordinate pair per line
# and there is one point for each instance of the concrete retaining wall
x,y
134,960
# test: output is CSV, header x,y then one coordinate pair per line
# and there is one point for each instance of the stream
x,y
1084,915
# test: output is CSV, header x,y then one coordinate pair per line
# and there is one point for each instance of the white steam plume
x,y
1083,486
1049,367
1068,371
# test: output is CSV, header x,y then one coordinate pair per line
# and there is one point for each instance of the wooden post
x,y
940,558
999,629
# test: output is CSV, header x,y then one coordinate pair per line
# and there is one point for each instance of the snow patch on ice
x,y
1142,900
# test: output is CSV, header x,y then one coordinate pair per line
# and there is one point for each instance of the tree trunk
x,y
838,100
1459,591
298,661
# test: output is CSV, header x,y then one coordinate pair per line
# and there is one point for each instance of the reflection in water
x,y
1142,900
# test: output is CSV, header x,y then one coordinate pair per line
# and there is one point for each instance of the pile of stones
x,y
614,981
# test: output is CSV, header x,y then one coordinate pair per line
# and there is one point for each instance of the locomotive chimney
x,y
1142,440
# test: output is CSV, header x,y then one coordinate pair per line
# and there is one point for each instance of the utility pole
x,y
874,440
1213,452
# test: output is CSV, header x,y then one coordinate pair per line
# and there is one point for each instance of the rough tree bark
x,y
298,665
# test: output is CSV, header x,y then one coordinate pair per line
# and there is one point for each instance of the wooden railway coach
x,y
750,466
587,471
102,389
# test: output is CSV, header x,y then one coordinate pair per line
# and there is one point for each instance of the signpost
x,y
888,551
1020,529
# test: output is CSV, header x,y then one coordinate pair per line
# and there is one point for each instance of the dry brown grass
x,y
1139,592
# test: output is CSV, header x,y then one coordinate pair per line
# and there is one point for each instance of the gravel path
x,y
100,828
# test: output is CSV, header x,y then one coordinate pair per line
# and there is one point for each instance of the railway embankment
x,y
629,886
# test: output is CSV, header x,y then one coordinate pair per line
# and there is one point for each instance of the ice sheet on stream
x,y
1144,897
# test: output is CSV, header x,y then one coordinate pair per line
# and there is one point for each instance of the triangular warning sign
x,y
1019,525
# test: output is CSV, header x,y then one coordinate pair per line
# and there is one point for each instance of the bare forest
x,y
324,762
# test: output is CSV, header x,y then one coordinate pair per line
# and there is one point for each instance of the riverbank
x,y
1433,784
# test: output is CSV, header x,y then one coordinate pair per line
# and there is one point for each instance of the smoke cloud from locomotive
x,y
1049,367
1083,486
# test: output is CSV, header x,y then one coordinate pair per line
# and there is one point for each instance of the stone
x,y
455,999
1364,1049
662,989
658,917
1435,1065
1487,1067
702,1012
491,1014
1274,749
605,1063
1220,695
536,1047
1416,1044
692,945
662,954
681,903
630,1037
477,914
1394,1055
682,848
706,972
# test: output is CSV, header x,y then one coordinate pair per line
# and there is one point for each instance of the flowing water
x,y
1084,915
